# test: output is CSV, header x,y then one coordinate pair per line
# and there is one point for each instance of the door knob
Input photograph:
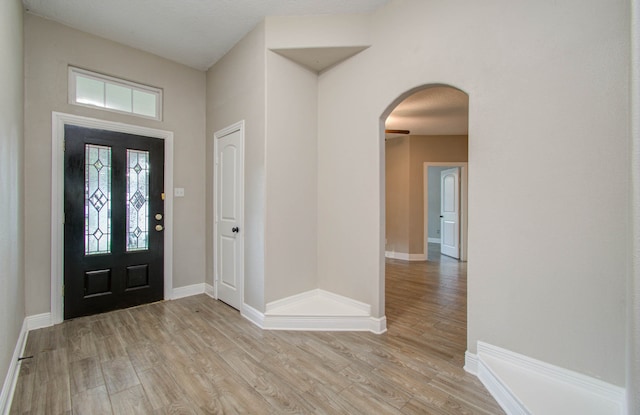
x,y
235,229
159,228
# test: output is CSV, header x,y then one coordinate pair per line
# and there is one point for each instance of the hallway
x,y
426,304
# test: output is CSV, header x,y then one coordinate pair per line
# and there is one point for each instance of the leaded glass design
x,y
97,200
137,200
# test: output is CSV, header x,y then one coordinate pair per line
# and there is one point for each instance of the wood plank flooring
x,y
198,356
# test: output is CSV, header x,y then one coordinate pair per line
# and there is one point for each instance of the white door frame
x,y
464,175
59,120
239,126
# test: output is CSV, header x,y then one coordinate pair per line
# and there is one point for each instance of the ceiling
x,y
196,33
439,110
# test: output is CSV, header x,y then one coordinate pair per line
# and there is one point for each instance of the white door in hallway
x,y
229,212
450,212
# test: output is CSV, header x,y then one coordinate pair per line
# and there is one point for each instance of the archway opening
x,y
425,147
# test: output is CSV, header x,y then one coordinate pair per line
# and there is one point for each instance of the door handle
x,y
159,228
235,229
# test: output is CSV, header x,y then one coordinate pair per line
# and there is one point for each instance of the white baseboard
x,y
471,363
404,256
522,385
188,291
505,397
208,289
34,322
434,240
253,315
333,323
38,321
10,381
320,310
321,298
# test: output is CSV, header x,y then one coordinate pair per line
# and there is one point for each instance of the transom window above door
x,y
91,89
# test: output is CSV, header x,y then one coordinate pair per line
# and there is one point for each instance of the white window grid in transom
x,y
95,90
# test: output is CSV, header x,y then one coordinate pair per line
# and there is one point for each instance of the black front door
x,y
114,217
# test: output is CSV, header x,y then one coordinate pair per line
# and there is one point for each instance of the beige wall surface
x,y
49,49
397,161
633,368
291,178
404,189
12,310
236,92
423,149
545,80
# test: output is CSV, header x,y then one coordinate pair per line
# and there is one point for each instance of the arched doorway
x,y
426,132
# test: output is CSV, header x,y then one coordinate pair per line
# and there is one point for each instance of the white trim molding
x,y
404,256
38,321
471,363
209,290
318,310
59,120
253,315
434,240
10,381
523,385
188,291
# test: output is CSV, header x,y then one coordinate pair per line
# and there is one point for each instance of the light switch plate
x,y
178,192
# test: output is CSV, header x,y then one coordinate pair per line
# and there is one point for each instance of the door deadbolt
x,y
235,229
158,216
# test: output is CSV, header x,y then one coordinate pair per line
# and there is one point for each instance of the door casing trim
x,y
59,120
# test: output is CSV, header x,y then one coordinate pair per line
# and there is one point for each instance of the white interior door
x,y
450,212
229,255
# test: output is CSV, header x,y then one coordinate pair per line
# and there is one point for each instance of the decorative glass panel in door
x,y
137,200
97,207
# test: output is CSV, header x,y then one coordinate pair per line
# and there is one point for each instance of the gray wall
x,y
49,49
291,178
546,82
633,368
12,310
235,92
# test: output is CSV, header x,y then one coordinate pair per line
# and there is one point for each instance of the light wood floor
x,y
198,356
